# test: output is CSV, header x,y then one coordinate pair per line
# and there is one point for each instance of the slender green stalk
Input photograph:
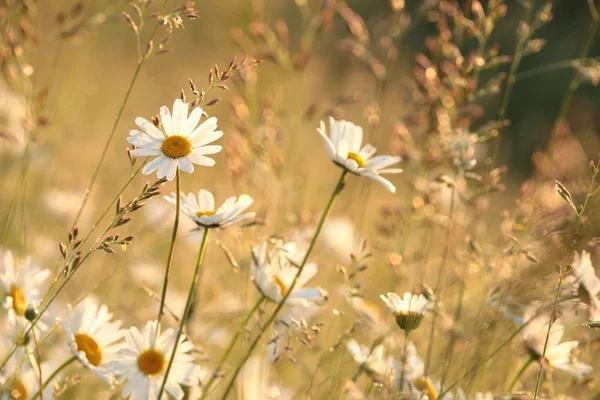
x,y
363,366
163,294
539,375
403,365
511,80
111,135
54,375
520,373
188,305
440,277
232,344
336,191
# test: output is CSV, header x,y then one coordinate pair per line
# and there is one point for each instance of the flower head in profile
x,y
558,355
409,310
375,362
93,337
22,283
274,267
204,213
182,144
587,284
143,361
344,148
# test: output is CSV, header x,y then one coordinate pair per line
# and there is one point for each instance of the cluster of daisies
x,y
145,361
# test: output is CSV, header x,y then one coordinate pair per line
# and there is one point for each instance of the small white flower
x,y
202,211
142,363
344,148
182,144
23,283
409,311
93,337
374,362
558,355
274,270
22,381
587,283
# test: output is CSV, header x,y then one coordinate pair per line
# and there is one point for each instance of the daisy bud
x,y
30,313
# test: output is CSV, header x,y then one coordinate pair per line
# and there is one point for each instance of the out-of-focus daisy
x,y
202,210
15,328
274,268
255,382
409,311
340,237
143,361
93,337
22,381
182,144
375,362
558,355
587,283
414,368
22,283
344,148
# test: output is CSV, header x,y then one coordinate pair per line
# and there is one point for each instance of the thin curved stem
x,y
519,374
54,375
186,310
539,375
338,188
163,294
232,344
113,130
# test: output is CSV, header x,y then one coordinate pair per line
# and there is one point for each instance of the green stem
x,y
54,375
188,305
539,375
403,365
328,207
163,294
232,344
519,374
113,130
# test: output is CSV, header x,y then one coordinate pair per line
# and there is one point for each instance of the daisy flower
x,y
344,148
558,355
182,144
22,283
409,311
143,361
375,363
587,283
202,210
93,337
274,269
23,381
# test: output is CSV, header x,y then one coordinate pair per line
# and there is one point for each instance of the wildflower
x,y
143,361
409,311
558,355
414,367
255,382
14,332
182,144
375,363
22,283
202,211
93,337
23,381
587,283
340,237
274,270
344,148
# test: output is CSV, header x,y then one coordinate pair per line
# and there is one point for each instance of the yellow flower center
x,y
281,285
176,146
92,350
424,384
203,213
19,300
151,362
18,391
356,157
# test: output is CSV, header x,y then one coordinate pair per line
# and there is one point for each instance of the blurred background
x,y
355,60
